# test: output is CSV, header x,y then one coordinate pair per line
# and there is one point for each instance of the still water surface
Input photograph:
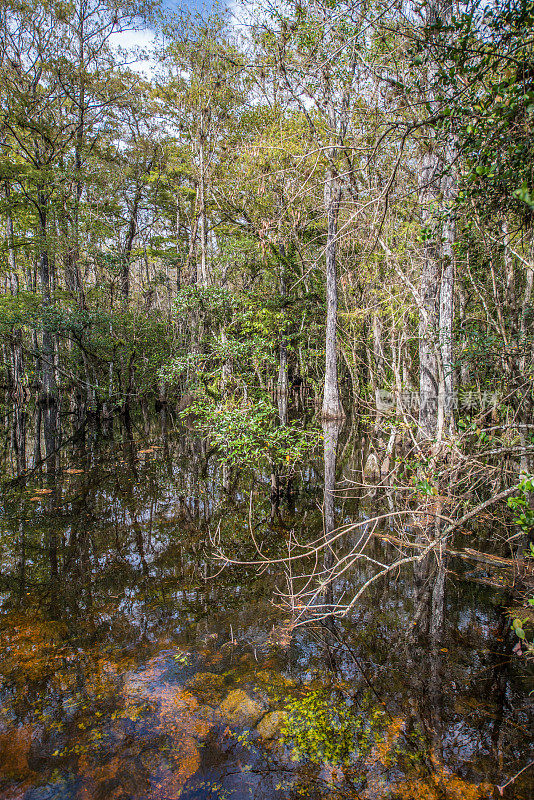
x,y
133,668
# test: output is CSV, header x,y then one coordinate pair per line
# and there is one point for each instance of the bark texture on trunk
x,y
446,298
16,343
48,375
332,408
282,386
428,310
436,299
203,277
128,246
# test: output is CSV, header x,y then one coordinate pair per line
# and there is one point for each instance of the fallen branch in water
x,y
307,594
512,780
495,499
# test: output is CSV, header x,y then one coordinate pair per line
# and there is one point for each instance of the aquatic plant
x,y
319,729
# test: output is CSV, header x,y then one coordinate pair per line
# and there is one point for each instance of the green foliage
x,y
322,728
248,432
425,487
488,48
524,514
213,302
525,639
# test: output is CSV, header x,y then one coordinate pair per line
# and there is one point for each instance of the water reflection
x,y
331,430
133,668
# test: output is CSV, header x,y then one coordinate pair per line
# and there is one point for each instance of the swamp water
x,y
133,667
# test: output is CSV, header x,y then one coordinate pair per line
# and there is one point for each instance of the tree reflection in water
x,y
132,669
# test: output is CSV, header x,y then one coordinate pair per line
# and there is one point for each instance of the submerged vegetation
x,y
268,388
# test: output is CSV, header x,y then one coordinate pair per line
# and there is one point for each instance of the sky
x,y
144,39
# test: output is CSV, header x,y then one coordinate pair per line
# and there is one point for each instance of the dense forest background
x,y
322,201
289,188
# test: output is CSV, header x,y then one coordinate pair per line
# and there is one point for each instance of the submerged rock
x,y
240,708
15,748
269,726
208,687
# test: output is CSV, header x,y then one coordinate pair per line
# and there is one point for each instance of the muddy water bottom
x,y
164,722
133,668
174,722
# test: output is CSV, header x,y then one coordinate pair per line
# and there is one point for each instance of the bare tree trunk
x,y
74,248
203,279
191,254
331,429
282,386
436,193
509,272
464,368
178,242
526,359
48,376
428,316
17,355
332,408
203,276
128,245
446,301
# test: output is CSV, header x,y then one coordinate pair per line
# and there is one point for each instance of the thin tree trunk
x,y
446,302
437,278
17,355
509,272
526,350
282,386
203,279
464,367
192,244
48,378
428,318
74,250
128,245
178,247
331,429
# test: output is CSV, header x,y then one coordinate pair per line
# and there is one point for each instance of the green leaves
x,y
485,62
518,629
247,432
322,728
425,487
524,514
525,195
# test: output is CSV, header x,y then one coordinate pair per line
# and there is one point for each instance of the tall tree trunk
x,y
282,387
526,349
128,245
332,408
17,355
73,253
464,367
48,375
203,278
428,317
331,429
190,274
509,271
436,190
178,242
446,300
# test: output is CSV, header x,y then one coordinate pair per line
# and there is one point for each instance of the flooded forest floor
x,y
134,666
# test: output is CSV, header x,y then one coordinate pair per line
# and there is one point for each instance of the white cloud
x,y
139,46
